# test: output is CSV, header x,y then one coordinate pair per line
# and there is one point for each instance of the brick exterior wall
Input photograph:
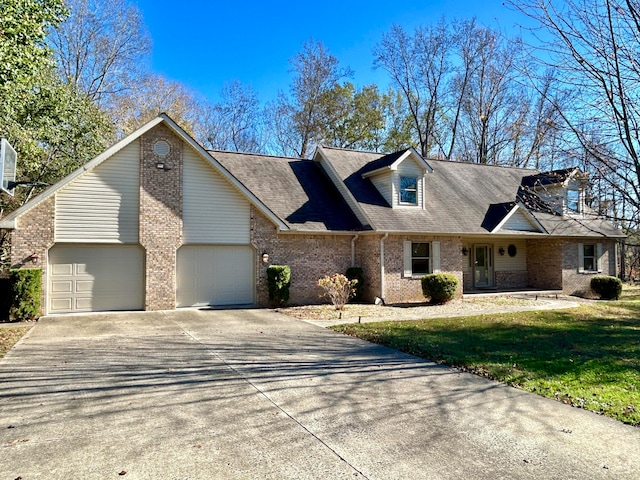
x,y
309,256
512,279
579,283
544,264
160,217
399,289
368,257
35,234
313,256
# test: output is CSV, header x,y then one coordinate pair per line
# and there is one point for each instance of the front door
x,y
482,266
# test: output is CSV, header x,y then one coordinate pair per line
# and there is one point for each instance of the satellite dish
x,y
8,158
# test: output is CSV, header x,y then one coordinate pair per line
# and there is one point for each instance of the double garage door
x,y
90,278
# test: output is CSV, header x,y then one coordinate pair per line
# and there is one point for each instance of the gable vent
x,y
161,148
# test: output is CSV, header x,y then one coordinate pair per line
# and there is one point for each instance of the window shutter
x,y
599,259
580,258
407,258
435,256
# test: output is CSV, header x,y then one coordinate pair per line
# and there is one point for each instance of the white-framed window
x,y
589,257
421,258
573,200
409,190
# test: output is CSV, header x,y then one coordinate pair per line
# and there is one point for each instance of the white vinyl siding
x,y
90,278
103,204
384,185
214,211
215,275
506,263
520,223
409,253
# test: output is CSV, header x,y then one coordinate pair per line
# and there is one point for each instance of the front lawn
x,y
588,357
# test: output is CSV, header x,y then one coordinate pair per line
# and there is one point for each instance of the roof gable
x,y
392,161
9,222
511,217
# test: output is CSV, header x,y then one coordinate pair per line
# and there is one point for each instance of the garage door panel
x,y
62,269
61,304
62,286
215,275
86,278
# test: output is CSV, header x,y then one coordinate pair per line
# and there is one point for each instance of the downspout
x,y
382,286
353,249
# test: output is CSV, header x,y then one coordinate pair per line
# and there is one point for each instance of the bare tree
x,y
236,122
594,46
298,120
101,47
418,65
154,95
493,98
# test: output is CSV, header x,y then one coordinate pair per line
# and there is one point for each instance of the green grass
x,y
588,357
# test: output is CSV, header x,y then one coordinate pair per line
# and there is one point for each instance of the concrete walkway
x,y
253,394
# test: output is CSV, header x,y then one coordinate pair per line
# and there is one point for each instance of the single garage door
x,y
94,278
215,275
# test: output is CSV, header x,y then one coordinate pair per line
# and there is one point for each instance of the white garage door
x,y
94,278
215,275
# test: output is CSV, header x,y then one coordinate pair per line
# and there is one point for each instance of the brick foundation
x,y
512,279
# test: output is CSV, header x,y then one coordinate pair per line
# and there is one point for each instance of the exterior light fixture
x,y
265,257
163,166
465,251
34,257
501,250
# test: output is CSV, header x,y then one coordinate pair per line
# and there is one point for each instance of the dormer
x,y
563,191
399,177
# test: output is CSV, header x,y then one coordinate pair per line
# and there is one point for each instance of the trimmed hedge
x,y
356,273
26,290
608,288
439,287
279,282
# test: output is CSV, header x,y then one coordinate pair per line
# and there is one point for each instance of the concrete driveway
x,y
253,394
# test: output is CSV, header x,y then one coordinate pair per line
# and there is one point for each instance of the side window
x,y
573,200
590,257
420,259
409,190
589,263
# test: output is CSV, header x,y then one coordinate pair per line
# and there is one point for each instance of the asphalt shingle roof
x,y
297,191
458,197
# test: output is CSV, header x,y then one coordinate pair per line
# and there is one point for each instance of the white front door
x,y
483,266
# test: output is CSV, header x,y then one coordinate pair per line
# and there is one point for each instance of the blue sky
x,y
205,44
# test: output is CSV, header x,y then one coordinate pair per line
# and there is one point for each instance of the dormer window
x,y
409,190
573,200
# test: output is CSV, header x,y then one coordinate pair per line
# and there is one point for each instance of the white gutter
x,y
382,286
353,249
